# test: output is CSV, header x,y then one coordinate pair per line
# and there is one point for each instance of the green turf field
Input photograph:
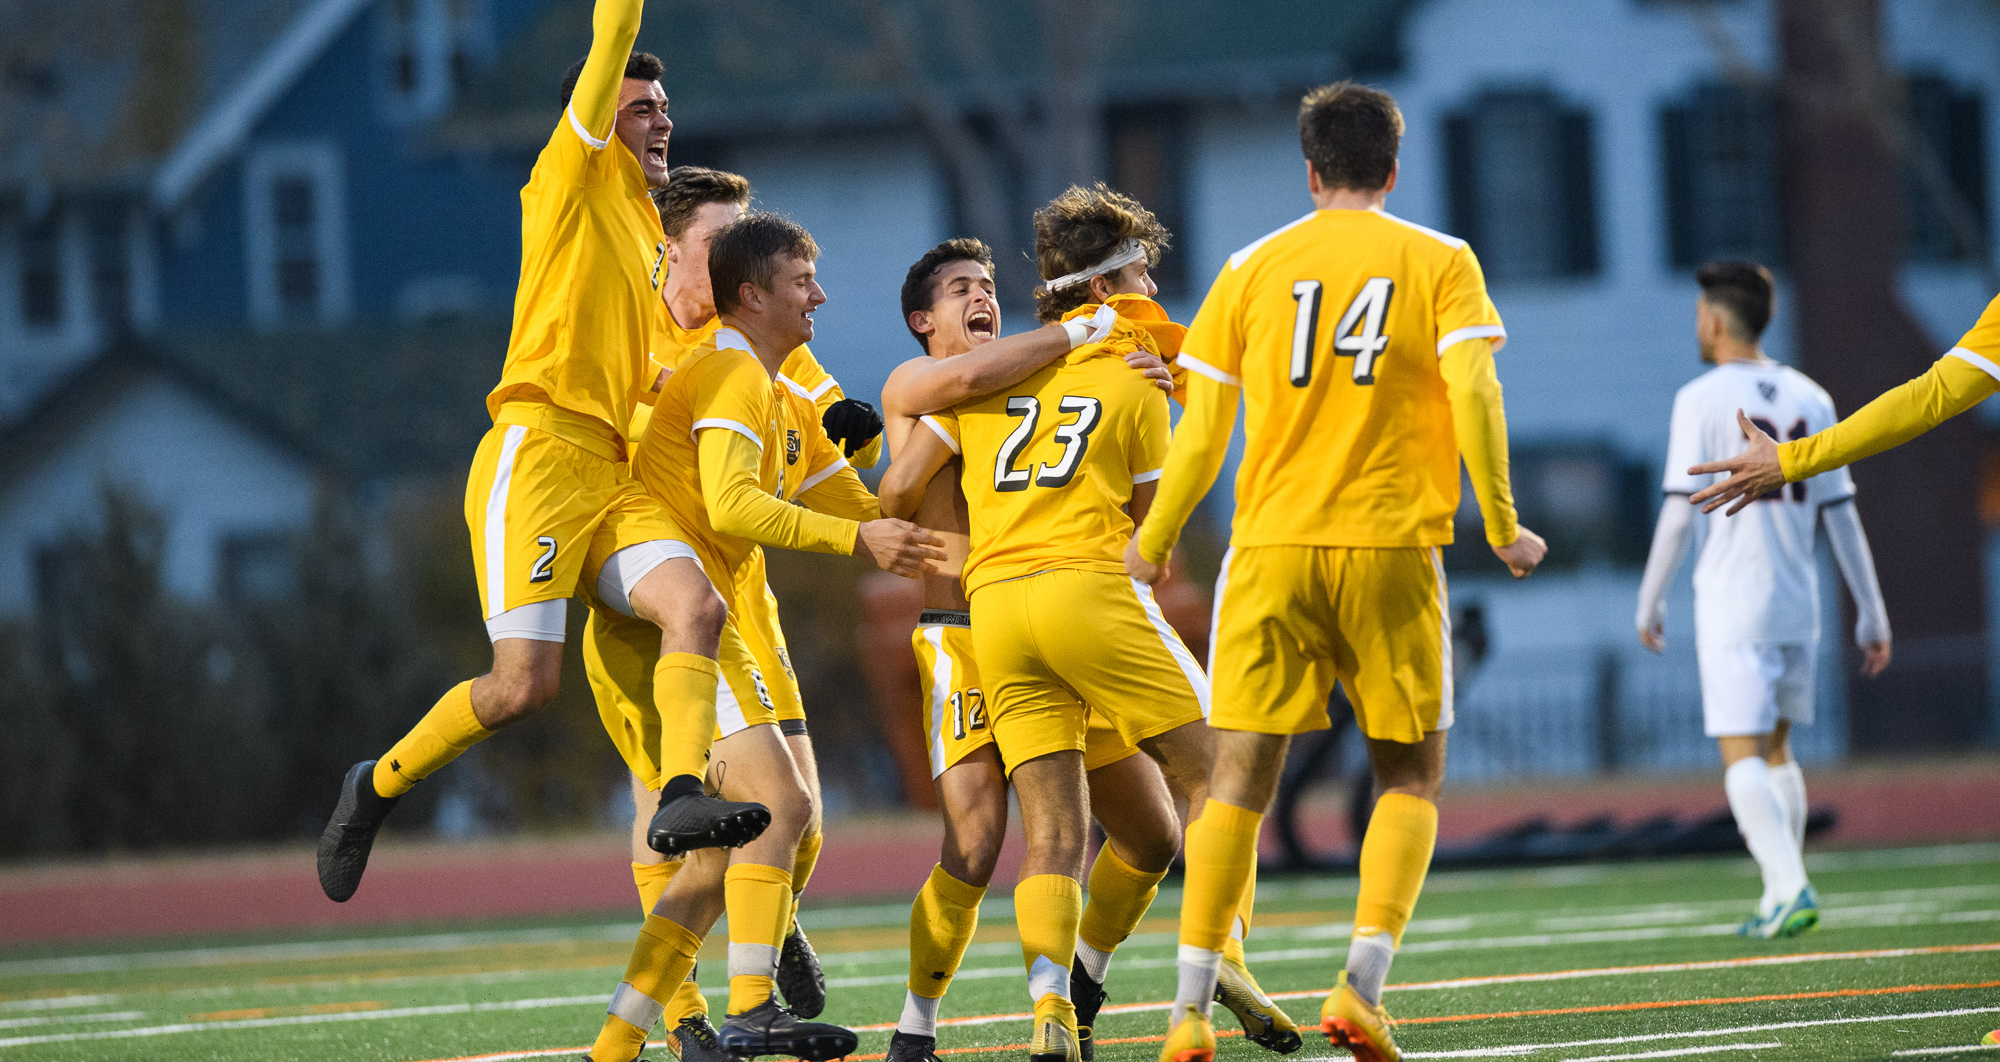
x,y
1643,960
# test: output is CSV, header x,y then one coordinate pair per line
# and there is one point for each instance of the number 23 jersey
x,y
1757,580
1050,462
1333,327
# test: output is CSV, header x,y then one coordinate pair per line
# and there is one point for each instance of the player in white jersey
x,y
1756,586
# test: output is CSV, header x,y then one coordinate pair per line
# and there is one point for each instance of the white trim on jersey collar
x,y
727,338
1983,364
1127,253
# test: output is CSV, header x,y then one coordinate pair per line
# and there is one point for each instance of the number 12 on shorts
x,y
1358,334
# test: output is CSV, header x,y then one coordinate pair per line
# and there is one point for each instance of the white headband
x,y
1127,253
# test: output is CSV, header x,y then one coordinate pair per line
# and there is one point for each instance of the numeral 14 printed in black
x,y
1357,335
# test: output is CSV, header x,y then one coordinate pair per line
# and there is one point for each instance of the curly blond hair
x,y
1084,226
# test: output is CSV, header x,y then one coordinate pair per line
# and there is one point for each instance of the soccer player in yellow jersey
x,y
696,203
1362,346
1048,466
1966,375
716,454
548,478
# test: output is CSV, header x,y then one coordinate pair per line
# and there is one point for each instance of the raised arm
x,y
924,453
1857,568
593,105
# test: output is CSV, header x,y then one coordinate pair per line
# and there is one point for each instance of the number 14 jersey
x,y
1333,327
1757,580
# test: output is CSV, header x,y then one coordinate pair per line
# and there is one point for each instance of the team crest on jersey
x,y
659,259
1768,389
791,446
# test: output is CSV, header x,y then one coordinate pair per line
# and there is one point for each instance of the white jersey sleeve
x,y
1687,443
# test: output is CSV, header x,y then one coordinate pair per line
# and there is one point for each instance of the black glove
x,y
852,423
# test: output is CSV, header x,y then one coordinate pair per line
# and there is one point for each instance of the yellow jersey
x,y
1965,376
804,375
1049,463
1333,327
721,386
586,309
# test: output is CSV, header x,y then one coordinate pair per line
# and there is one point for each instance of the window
x,y
42,271
425,51
1945,176
296,230
1149,149
1521,188
1720,147
108,234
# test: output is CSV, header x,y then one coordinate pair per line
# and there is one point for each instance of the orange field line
x,y
285,1012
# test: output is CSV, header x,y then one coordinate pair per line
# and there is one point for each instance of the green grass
x,y
525,986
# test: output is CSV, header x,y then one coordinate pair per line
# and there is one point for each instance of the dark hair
x,y
644,66
689,188
1080,228
1350,133
1745,290
749,250
920,283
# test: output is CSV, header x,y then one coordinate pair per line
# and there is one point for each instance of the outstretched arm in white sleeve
x,y
1857,567
1670,543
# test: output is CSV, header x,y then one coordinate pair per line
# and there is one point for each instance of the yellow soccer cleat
x,y
1192,1040
1055,1038
1348,1021
1264,1022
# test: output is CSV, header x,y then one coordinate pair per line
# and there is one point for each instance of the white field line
x,y
1516,1050
1526,978
1676,1052
308,1019
71,1019
326,949
1910,1052
56,1002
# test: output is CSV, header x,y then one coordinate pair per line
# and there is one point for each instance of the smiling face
x,y
784,314
964,313
687,255
644,127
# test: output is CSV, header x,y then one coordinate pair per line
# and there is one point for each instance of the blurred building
x,y
313,203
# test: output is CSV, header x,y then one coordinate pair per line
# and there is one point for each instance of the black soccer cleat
x,y
350,833
799,976
769,1029
695,1040
909,1047
697,820
1087,996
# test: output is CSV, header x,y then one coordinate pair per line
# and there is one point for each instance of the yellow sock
x,y
1047,908
444,732
688,1002
661,959
1119,897
1232,949
652,880
1395,856
802,867
759,900
942,921
684,693
1221,856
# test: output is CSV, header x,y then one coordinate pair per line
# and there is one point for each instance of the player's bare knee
x,y
509,696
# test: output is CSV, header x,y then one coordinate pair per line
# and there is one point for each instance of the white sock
x,y
1368,959
1095,962
1045,978
1790,782
919,1015
1198,969
1760,816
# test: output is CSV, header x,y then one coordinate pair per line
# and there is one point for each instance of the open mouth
x,y
657,153
980,325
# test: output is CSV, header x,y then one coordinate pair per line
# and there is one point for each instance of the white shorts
x,y
623,570
1746,687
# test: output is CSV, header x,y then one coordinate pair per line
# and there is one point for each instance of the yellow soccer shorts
x,y
1291,620
535,503
619,655
1048,644
955,716
755,609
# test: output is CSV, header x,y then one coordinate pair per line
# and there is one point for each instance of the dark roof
x,y
780,65
108,377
